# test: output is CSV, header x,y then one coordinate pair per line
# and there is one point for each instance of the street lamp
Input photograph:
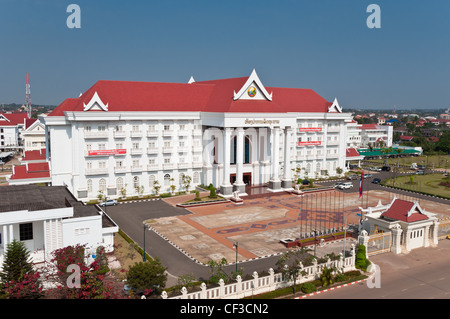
x,y
144,243
236,246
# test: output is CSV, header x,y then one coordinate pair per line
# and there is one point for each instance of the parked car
x,y
367,175
376,181
375,169
386,168
420,172
421,166
305,182
108,202
351,177
345,185
337,184
352,166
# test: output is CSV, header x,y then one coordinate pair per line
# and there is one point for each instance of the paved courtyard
x,y
259,224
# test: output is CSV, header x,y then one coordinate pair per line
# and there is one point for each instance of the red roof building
x,y
405,211
30,173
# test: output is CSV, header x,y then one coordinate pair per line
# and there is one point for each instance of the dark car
x,y
376,181
386,168
305,182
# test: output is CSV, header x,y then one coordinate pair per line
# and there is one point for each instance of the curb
x,y
138,201
330,289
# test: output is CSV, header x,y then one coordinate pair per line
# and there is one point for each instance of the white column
x,y
275,182
275,153
5,236
287,180
11,233
226,187
239,184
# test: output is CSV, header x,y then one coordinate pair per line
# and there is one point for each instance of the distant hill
x,y
13,107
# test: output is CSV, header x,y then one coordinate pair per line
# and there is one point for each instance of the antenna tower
x,y
28,94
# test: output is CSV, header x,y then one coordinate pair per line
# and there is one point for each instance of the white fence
x,y
258,285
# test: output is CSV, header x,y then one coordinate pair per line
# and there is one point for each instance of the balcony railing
x,y
152,150
167,132
95,134
167,149
152,133
137,168
168,166
119,134
153,167
96,171
120,169
136,151
183,165
136,133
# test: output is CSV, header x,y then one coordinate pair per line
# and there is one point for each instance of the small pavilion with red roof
x,y
411,226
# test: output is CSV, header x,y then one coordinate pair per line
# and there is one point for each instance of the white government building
x,y
229,133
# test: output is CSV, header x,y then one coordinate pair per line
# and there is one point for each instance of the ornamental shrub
x,y
147,275
17,262
212,192
308,287
361,261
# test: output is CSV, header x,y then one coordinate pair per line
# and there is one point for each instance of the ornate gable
x,y
253,89
95,104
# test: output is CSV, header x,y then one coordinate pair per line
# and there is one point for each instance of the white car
x,y
345,186
108,202
375,169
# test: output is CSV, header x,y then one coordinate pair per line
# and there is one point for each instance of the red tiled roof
x,y
406,211
31,171
368,126
35,155
13,119
406,137
352,152
203,96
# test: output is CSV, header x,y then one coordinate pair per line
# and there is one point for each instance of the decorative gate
x,y
379,243
444,228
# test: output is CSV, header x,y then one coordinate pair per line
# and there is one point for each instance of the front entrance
x,y
247,178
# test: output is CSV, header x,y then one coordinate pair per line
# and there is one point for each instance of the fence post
x,y
255,280
238,286
221,288
396,239
271,279
203,292
184,293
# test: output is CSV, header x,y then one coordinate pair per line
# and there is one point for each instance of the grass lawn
x,y
428,184
434,161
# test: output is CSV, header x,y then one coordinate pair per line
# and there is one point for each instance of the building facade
x,y
231,133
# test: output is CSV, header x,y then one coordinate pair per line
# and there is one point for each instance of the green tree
x,y
216,270
147,275
17,262
290,267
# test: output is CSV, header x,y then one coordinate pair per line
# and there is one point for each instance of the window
x,y
119,183
102,185
136,163
180,178
151,161
196,178
89,185
87,128
102,146
102,128
166,144
101,164
166,127
119,146
136,182
135,146
88,147
119,128
89,165
166,180
151,145
119,163
181,144
152,128
167,160
26,231
151,180
182,127
135,128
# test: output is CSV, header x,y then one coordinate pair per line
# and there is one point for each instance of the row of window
x,y
137,182
317,138
137,128
137,162
137,145
319,168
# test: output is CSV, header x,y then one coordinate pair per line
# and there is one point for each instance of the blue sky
x,y
324,45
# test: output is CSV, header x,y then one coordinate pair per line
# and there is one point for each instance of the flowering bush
x,y
27,288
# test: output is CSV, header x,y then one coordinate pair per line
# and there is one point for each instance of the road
x,y
422,274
